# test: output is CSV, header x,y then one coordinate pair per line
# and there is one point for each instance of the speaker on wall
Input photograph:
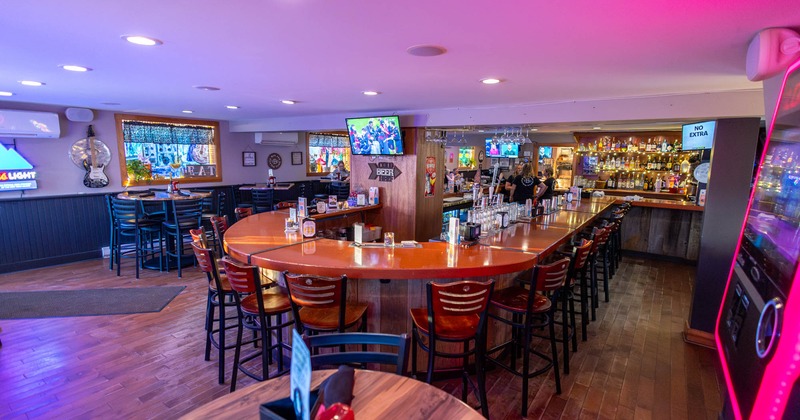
x,y
80,114
770,52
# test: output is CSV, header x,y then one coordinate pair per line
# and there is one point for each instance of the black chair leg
x,y
237,353
414,352
554,349
480,347
526,367
564,331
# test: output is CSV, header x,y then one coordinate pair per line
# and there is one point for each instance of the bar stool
x,y
242,212
262,200
220,225
319,304
186,215
128,220
576,274
525,304
220,295
256,307
456,313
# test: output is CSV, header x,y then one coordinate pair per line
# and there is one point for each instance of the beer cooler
x,y
758,327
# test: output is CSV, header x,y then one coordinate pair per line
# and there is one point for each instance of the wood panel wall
x,y
665,232
405,210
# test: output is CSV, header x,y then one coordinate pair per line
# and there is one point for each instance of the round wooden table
x,y
376,395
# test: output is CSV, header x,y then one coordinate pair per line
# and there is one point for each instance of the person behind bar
x,y
527,186
510,181
550,183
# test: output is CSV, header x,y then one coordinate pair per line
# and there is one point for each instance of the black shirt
x,y
525,188
550,184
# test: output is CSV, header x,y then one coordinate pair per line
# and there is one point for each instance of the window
x,y
325,150
156,150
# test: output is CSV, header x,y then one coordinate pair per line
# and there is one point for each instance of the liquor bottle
x,y
685,165
610,182
649,146
646,184
664,145
676,147
624,146
669,147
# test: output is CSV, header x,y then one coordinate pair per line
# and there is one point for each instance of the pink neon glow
x,y
764,399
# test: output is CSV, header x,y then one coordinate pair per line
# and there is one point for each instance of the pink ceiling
x,y
323,53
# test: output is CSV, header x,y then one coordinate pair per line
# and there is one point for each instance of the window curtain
x,y
328,140
162,133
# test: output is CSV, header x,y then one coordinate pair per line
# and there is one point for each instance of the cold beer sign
x,y
16,173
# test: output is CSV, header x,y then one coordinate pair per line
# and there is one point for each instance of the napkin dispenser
x,y
472,231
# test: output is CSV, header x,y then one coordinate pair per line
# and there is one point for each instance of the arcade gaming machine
x,y
758,327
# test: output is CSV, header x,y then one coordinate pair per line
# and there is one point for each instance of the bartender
x,y
340,173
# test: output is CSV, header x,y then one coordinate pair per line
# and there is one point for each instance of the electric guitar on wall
x,y
95,177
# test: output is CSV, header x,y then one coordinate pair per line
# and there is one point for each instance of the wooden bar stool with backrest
x,y
220,225
319,304
600,264
527,304
456,313
220,295
242,212
576,274
186,215
257,306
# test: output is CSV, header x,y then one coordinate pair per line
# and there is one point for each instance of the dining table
x,y
376,395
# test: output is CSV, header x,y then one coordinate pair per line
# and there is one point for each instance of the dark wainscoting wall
x,y
45,231
42,231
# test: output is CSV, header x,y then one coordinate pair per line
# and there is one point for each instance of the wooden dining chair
x,y
398,358
456,313
242,212
220,225
262,200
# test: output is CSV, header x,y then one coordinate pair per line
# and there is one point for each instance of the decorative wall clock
x,y
274,161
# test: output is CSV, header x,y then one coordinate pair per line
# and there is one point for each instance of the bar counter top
x,y
260,240
664,204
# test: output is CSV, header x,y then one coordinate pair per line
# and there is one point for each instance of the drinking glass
x,y
388,239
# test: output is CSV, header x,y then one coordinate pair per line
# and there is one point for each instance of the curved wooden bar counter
x,y
392,280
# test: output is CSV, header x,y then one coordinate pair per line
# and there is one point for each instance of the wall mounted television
x,y
499,150
375,135
699,136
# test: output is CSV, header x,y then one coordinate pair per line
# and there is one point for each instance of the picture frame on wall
x,y
249,158
297,158
526,153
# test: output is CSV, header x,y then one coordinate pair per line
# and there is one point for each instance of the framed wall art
x,y
248,158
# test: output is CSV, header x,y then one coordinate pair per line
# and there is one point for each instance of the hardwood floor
x,y
634,365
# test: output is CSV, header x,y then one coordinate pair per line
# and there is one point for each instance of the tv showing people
x,y
375,136
501,150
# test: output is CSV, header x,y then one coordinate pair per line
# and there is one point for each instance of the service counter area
x,y
666,228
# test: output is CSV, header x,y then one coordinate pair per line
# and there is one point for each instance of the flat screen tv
x,y
498,150
699,136
545,152
375,135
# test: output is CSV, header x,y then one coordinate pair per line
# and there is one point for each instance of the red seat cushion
x,y
515,299
275,302
451,327
327,319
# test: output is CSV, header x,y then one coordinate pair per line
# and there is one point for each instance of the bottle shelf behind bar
x,y
651,162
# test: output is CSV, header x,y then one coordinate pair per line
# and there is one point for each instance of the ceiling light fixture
x,y
142,40
72,67
187,111
231,107
490,81
597,128
371,92
207,88
111,103
534,129
288,102
31,83
4,93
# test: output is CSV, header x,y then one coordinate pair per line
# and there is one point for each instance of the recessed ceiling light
x,y
187,111
31,83
597,128
288,102
206,88
490,81
370,92
426,50
4,93
231,107
141,40
481,131
534,129
110,103
72,67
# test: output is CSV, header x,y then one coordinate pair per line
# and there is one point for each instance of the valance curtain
x,y
163,133
328,140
